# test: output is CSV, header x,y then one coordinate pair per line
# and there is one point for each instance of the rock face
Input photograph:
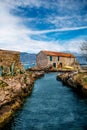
x,y
15,84
9,61
76,80
13,90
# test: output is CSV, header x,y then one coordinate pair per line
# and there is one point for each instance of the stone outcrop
x,y
13,90
10,62
76,80
15,84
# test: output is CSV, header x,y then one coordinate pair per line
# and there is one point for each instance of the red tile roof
x,y
50,53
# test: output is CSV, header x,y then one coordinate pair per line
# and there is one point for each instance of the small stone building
x,y
55,59
7,58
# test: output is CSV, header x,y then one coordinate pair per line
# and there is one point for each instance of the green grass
x,y
85,79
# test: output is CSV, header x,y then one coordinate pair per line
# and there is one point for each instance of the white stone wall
x,y
41,60
64,60
44,61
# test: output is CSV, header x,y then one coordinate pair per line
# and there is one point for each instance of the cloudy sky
x,y
34,25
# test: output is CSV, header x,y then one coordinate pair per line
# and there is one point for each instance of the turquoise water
x,y
51,106
27,65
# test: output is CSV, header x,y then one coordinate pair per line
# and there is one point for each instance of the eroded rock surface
x,y
77,80
13,90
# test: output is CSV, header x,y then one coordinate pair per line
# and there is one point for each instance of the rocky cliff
x,y
9,61
15,84
76,80
13,90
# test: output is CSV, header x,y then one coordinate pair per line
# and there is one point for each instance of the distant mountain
x,y
27,59
80,58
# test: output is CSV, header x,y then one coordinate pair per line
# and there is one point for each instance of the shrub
x,y
85,79
3,84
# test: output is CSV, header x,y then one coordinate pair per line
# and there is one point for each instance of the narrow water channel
x,y
51,106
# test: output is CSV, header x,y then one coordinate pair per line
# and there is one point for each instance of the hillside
x,y
27,57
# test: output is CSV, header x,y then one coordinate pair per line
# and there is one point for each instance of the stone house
x,y
56,59
8,58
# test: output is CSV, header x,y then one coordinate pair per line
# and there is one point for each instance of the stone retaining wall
x,y
9,58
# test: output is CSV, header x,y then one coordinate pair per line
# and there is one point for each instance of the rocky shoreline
x,y
76,80
47,70
13,90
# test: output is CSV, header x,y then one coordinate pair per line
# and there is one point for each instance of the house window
x,y
58,58
50,58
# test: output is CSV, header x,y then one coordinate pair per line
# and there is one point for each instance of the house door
x,y
54,65
61,65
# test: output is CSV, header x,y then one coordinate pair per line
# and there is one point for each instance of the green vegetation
x,y
85,79
25,78
12,69
3,84
30,73
0,70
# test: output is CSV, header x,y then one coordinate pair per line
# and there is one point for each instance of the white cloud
x,y
56,30
15,36
73,45
60,5
72,20
27,3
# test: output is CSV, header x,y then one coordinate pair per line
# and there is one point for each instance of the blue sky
x,y
34,25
